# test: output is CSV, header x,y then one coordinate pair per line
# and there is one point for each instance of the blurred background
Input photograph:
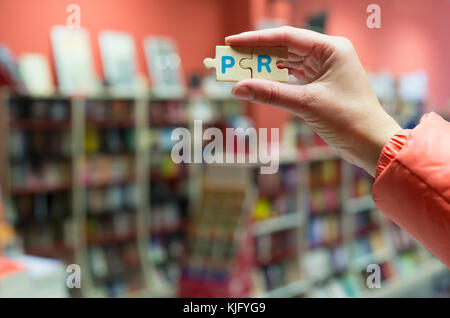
x,y
90,92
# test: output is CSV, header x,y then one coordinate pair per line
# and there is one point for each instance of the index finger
x,y
299,41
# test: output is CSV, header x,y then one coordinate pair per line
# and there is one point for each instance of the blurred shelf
x,y
151,96
355,205
40,124
111,238
113,154
157,176
109,96
278,256
51,97
365,230
167,229
283,253
110,183
109,212
77,125
40,157
221,99
378,257
155,97
49,250
278,224
328,245
110,124
317,153
247,164
273,193
118,275
168,124
116,238
41,189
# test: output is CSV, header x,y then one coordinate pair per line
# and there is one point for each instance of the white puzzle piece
x,y
237,63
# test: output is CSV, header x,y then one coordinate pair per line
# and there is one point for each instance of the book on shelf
x,y
219,254
9,71
164,66
119,62
35,72
40,174
116,269
73,60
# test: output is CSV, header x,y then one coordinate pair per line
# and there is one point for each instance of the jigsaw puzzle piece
x,y
263,63
228,63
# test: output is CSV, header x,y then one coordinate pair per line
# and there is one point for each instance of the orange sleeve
x,y
412,183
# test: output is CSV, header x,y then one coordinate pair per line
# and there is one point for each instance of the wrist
x,y
380,138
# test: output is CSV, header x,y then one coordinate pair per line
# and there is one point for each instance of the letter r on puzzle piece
x,y
227,63
264,63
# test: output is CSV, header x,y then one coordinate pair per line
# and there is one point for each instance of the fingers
x,y
290,64
295,65
294,57
312,63
286,96
300,70
299,74
299,41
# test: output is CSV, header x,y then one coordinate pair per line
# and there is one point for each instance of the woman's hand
x,y
337,100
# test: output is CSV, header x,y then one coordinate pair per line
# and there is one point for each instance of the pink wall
x,y
414,35
197,25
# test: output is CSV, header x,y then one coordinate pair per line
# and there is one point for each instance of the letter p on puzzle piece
x,y
237,63
227,63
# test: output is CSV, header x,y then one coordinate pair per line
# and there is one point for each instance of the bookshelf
x,y
116,147
112,189
278,224
37,171
166,183
219,250
152,221
335,265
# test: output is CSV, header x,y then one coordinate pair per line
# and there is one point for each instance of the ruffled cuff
x,y
390,150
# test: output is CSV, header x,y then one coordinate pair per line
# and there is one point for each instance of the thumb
x,y
291,97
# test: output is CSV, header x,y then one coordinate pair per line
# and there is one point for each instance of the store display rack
x,y
103,162
98,189
219,255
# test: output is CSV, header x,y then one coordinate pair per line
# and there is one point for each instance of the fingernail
x,y
228,38
233,35
243,92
